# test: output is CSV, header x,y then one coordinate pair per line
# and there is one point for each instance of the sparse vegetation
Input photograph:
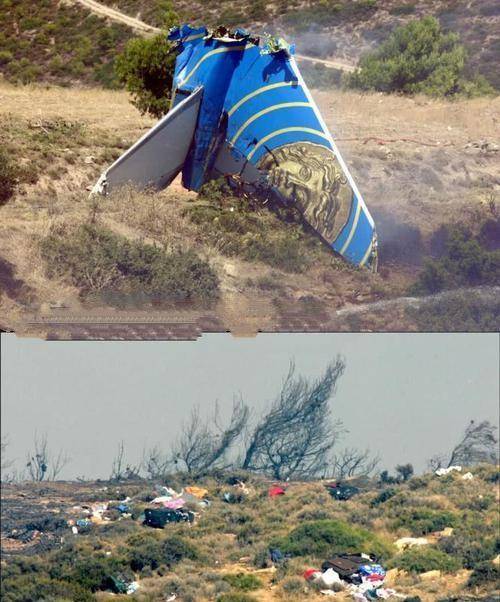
x,y
201,561
323,537
95,260
418,58
58,43
423,559
7,177
238,226
464,262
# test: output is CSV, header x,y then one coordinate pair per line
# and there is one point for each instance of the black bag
x,y
159,517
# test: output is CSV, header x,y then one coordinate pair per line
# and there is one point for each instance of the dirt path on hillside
x,y
140,26
117,16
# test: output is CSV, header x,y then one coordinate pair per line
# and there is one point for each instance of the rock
x,y
409,542
429,575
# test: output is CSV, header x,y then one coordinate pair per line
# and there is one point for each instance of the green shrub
x,y
146,68
457,312
175,549
471,552
96,259
28,587
484,573
325,537
145,553
421,521
383,496
232,226
7,177
464,262
243,581
424,558
418,58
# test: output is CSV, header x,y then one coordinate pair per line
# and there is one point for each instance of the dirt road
x,y
117,16
144,28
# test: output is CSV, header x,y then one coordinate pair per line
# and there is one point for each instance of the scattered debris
x,y
339,491
159,517
444,471
276,490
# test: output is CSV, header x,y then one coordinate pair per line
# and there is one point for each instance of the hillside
x,y
58,43
79,541
344,30
421,164
62,42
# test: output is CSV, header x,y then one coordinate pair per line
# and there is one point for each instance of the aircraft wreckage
x,y
241,110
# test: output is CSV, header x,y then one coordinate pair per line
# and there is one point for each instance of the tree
x,y
156,463
295,436
146,68
42,464
404,471
418,58
121,470
478,444
352,462
203,445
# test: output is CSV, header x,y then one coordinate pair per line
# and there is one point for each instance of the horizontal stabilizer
x,y
156,158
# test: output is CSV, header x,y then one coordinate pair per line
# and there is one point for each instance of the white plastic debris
x,y
467,476
74,530
444,471
132,587
329,577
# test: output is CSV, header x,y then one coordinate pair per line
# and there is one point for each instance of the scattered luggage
x,y
159,517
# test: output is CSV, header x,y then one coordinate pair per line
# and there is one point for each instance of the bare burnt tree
x,y
352,462
204,444
5,464
41,464
156,463
478,444
121,470
295,436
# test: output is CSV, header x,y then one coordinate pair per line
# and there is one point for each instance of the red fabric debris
x,y
276,491
309,573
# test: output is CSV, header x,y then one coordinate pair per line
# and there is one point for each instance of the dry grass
x,y
397,178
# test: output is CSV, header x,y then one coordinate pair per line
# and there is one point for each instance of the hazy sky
x,y
405,396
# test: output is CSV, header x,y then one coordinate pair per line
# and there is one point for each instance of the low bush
x,y
464,262
235,228
457,312
418,58
96,259
383,496
424,558
472,552
243,581
325,537
175,549
484,573
29,587
8,177
420,521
